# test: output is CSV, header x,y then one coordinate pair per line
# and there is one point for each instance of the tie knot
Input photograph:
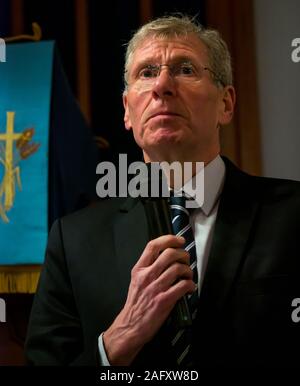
x,y
178,203
180,213
178,200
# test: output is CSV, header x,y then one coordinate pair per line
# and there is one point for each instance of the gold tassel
x,y
19,279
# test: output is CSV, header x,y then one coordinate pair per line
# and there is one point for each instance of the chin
x,y
165,135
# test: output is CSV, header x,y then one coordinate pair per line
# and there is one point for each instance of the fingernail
x,y
182,239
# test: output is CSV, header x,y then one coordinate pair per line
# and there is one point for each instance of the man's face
x,y
174,117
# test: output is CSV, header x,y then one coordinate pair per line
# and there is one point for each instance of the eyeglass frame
x,y
159,66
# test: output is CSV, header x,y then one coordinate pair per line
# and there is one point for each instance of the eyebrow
x,y
148,61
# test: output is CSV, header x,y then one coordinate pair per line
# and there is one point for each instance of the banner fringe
x,y
16,280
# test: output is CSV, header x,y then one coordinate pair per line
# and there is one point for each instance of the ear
x,y
227,105
127,120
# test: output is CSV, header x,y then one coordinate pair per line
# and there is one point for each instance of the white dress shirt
x,y
203,220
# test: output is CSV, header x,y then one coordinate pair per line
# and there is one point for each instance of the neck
x,y
182,159
178,172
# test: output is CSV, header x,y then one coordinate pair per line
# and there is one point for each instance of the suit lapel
x,y
235,219
131,237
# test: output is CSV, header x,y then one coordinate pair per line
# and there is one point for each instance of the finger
x,y
155,246
168,298
170,276
142,277
168,257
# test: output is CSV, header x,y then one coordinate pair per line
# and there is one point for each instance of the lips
x,y
163,113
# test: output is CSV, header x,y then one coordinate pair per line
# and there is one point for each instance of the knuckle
x,y
184,257
152,247
150,276
137,277
141,278
185,285
134,271
174,255
160,301
177,269
180,270
173,238
189,286
169,252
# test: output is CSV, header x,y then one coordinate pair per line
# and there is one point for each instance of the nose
x,y
164,85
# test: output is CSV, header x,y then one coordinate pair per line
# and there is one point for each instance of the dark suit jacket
x,y
244,316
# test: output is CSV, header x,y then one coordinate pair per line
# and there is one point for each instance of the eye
x,y
185,69
148,72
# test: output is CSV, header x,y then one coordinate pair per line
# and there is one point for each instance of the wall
x,y
277,23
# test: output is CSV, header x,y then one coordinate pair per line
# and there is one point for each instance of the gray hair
x,y
178,26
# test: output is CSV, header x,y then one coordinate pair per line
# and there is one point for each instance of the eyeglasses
x,y
181,71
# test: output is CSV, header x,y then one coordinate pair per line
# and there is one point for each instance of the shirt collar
x,y
214,175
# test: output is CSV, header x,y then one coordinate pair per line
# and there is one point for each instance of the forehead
x,y
170,48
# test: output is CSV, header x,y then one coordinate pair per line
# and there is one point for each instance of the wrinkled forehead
x,y
168,48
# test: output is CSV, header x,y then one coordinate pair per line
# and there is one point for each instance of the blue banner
x,y
25,96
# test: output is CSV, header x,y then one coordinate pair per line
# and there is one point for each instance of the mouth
x,y
164,114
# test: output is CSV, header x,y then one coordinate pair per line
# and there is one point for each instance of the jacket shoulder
x,y
260,187
96,214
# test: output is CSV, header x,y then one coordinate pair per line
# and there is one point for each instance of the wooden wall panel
x,y
240,140
146,11
17,17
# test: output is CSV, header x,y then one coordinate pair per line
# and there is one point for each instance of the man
x,y
106,293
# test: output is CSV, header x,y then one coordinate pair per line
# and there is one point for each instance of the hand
x,y
159,279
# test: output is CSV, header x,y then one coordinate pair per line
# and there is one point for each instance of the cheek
x,y
135,117
135,114
137,108
203,108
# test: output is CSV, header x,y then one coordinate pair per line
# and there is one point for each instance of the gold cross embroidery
x,y
7,186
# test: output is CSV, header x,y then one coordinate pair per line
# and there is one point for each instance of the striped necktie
x,y
182,338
